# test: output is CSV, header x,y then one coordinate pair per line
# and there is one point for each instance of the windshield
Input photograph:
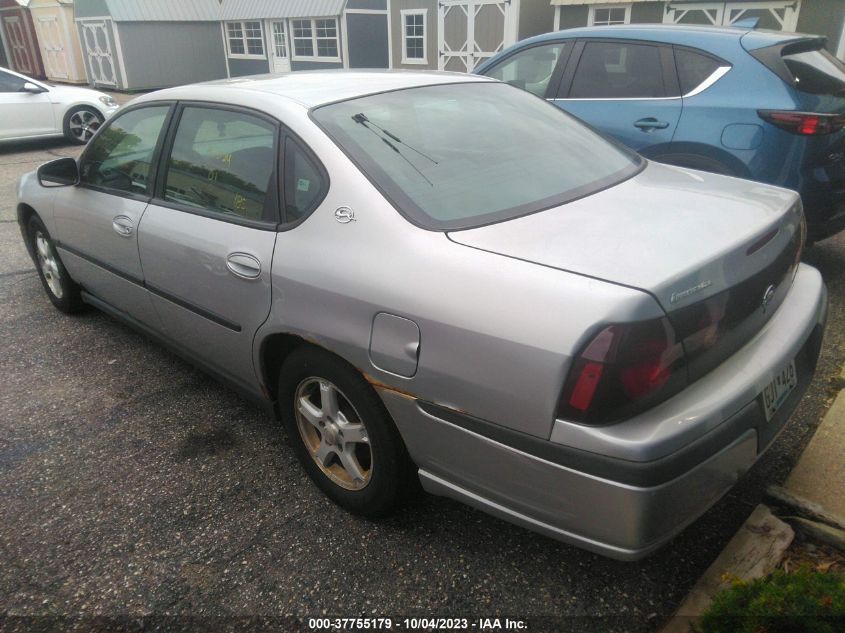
x,y
462,155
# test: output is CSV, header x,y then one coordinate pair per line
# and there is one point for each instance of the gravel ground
x,y
132,485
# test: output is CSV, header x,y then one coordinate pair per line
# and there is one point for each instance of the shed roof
x,y
160,10
248,9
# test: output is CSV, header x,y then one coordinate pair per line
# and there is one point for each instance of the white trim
x,y
315,57
390,37
92,17
245,54
225,47
840,50
591,20
344,40
414,60
557,18
119,52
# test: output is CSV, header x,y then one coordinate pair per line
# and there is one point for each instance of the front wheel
x,y
63,292
81,123
342,434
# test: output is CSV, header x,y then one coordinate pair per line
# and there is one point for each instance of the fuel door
x,y
395,344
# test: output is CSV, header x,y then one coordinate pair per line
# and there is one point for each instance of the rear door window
x,y
816,72
223,162
618,70
693,68
530,69
305,185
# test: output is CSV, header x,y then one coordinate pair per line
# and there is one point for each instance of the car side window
x,y
120,157
222,161
10,82
304,182
618,70
693,68
530,69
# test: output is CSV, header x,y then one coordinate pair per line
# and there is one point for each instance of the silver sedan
x,y
442,279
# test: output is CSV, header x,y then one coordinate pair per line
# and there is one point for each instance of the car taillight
x,y
623,370
804,123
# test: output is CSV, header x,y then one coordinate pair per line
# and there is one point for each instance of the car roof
x,y
682,34
313,88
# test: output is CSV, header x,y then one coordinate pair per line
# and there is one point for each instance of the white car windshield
x,y
463,155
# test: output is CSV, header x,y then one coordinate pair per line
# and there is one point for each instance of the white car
x,y
33,109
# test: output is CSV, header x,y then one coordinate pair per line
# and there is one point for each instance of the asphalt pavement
x,y
132,485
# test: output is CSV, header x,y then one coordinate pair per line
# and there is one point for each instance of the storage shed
x,y
824,17
264,36
142,45
58,41
457,35
19,40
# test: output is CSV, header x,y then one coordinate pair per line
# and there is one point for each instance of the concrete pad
x,y
819,475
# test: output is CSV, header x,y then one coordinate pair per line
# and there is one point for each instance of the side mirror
x,y
59,173
32,88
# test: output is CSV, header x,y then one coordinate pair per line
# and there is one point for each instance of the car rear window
x,y
816,72
463,155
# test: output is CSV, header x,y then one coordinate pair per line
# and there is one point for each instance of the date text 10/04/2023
x,y
416,624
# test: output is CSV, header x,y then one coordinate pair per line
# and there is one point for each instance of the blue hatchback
x,y
763,105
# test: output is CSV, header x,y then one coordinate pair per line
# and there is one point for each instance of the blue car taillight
x,y
804,123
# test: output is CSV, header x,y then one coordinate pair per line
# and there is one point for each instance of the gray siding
x,y
535,17
160,54
367,40
647,13
431,32
823,17
241,67
377,5
573,16
90,9
295,65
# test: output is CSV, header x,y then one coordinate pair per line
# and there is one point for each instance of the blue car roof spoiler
x,y
748,23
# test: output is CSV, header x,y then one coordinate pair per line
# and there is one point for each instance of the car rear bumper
x,y
622,507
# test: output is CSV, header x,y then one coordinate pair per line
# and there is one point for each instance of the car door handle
x,y
243,265
123,226
650,123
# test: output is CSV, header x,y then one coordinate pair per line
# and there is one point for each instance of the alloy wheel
x,y
49,265
333,433
83,124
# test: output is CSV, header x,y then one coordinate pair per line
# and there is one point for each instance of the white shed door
x,y
779,15
278,46
470,31
98,49
19,49
52,48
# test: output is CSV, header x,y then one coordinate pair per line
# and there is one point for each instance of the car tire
x,y
342,433
696,161
81,123
62,291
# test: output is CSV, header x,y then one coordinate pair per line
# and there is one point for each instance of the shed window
x,y
245,38
316,38
615,14
413,36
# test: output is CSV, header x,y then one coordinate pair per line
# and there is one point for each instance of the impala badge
x,y
344,215
677,296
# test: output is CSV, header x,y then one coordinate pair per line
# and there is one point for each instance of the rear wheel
x,y
342,434
63,292
81,123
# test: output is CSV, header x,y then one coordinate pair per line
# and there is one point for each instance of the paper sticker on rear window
x,y
303,184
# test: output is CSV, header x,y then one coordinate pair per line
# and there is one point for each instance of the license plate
x,y
777,391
